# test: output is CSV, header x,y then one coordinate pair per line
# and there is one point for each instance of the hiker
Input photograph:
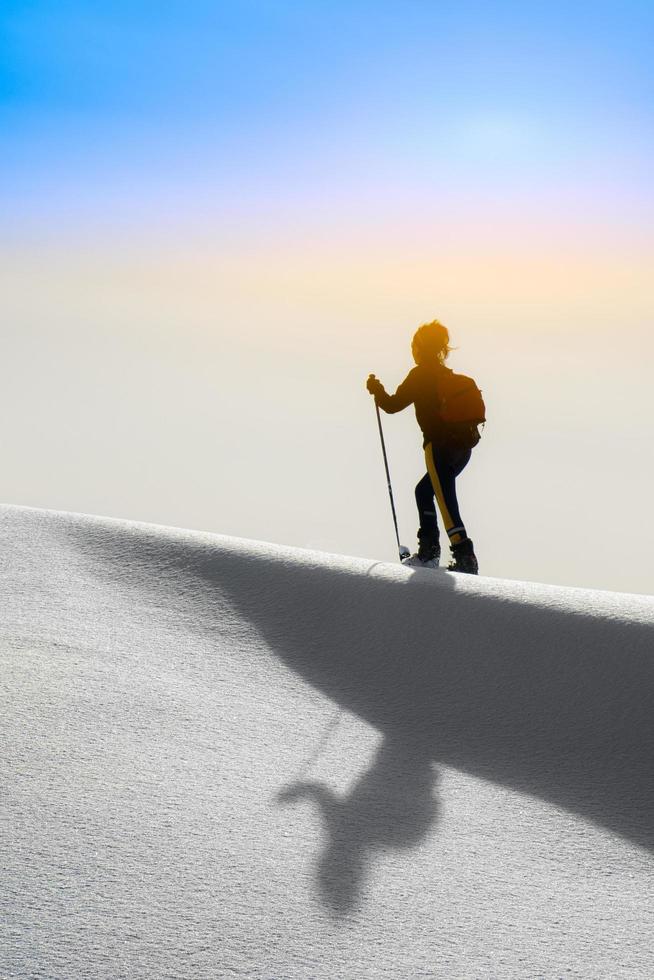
x,y
448,409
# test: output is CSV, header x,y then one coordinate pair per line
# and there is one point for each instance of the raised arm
x,y
402,398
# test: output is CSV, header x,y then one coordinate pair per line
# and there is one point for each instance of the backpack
x,y
462,410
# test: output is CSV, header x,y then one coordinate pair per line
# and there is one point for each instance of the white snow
x,y
222,758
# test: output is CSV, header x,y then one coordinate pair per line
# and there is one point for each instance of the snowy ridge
x,y
225,692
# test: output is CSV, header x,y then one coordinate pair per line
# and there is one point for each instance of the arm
x,y
403,397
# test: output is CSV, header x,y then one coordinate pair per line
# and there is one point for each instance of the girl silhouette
x,y
447,446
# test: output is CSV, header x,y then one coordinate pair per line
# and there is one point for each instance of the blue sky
x,y
229,65
302,98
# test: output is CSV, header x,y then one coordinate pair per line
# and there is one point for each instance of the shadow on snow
x,y
552,702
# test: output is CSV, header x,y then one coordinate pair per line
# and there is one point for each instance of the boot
x,y
464,558
429,550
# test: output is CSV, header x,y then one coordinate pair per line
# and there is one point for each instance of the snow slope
x,y
229,759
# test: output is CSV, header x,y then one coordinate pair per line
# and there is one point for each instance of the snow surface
x,y
222,758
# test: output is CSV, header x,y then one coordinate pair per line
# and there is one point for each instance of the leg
x,y
444,466
429,549
426,510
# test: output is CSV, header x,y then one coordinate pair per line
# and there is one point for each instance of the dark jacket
x,y
420,388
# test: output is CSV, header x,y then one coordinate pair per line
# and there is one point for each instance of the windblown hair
x,y
431,340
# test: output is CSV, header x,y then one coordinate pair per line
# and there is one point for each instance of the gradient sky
x,y
217,218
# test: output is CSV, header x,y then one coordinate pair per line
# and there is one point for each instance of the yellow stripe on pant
x,y
438,490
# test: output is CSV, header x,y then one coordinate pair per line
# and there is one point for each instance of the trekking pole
x,y
330,728
402,550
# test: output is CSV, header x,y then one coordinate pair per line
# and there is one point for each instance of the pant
x,y
443,467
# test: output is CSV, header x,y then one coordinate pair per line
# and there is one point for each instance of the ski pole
x,y
402,550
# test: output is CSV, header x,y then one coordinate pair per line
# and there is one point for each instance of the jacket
x,y
421,388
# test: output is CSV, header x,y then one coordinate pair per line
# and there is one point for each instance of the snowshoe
x,y
414,561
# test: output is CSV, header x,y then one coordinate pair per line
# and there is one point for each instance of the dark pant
x,y
443,467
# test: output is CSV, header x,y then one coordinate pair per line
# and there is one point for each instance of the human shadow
x,y
548,692
392,805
